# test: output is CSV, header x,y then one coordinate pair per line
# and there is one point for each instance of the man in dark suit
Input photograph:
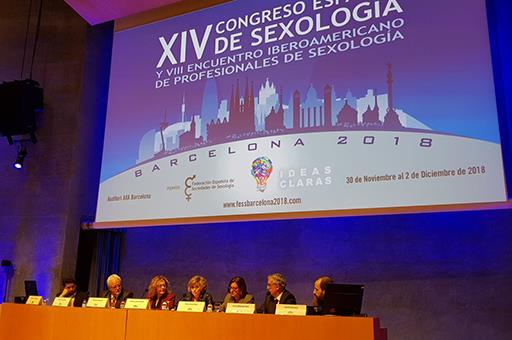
x,y
116,294
276,293
69,289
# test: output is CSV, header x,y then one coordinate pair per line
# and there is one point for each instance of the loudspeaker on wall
x,y
20,101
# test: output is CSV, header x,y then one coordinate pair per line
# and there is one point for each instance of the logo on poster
x,y
188,187
261,169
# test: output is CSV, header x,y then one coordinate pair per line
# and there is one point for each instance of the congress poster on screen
x,y
253,108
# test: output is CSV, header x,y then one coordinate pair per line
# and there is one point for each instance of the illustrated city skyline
x,y
247,116
432,92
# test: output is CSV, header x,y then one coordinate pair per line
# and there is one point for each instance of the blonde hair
x,y
196,279
153,285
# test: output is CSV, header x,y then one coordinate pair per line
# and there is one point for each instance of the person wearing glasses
x,y
116,294
237,293
276,293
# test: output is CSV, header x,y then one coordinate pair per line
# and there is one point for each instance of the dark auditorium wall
x,y
39,205
427,276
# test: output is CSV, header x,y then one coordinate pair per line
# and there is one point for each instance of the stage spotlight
x,y
22,152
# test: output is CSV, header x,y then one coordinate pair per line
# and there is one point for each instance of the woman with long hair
x,y
159,293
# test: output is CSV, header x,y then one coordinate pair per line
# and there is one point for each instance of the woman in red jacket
x,y
159,293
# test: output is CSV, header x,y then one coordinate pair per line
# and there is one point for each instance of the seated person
x,y
159,294
196,288
116,294
319,291
237,293
276,293
69,289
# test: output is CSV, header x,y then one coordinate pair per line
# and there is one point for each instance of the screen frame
x,y
339,295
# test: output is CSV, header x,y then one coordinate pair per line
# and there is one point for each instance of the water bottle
x,y
209,308
165,306
84,303
122,304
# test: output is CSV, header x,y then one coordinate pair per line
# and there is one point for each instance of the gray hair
x,y
113,277
278,279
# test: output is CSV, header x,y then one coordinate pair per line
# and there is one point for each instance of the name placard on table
x,y
34,300
97,302
240,308
62,302
136,303
283,309
191,306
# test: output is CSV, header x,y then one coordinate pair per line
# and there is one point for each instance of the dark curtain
x,y
106,260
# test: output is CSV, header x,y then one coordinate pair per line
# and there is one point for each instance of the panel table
x,y
44,322
212,326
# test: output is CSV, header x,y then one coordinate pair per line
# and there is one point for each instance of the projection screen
x,y
257,110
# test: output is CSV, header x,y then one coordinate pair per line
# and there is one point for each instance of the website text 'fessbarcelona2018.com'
x,y
263,202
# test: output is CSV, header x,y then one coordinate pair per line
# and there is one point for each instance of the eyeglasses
x,y
234,288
